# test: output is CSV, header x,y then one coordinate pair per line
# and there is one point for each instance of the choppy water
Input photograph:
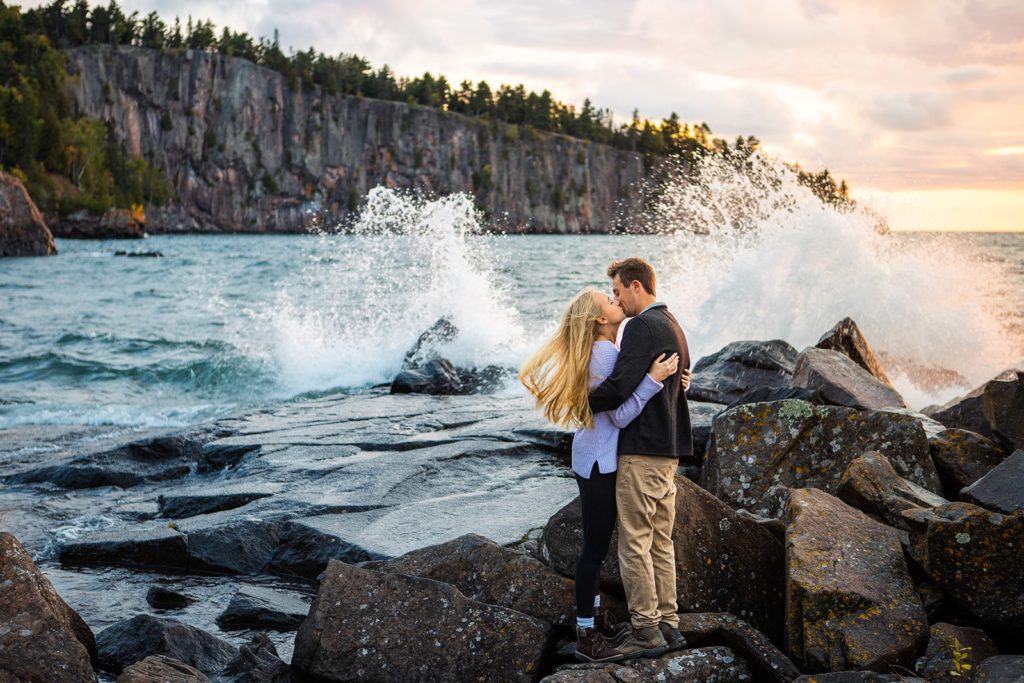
x,y
222,323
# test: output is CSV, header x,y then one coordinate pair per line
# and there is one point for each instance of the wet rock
x,y
938,664
41,637
243,546
851,603
724,562
1002,403
132,640
1002,489
257,662
871,485
140,547
727,374
181,506
309,545
139,254
367,625
709,628
962,458
1000,669
159,597
842,382
762,448
973,555
23,231
702,419
161,669
487,572
257,607
219,455
430,343
998,399
437,377
846,338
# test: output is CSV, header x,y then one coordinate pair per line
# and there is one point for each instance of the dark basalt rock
x,y
937,665
437,377
708,665
243,546
132,640
962,458
306,550
1000,669
161,669
257,662
429,344
365,625
857,677
851,602
1002,489
767,661
727,374
182,506
994,410
257,607
218,456
768,394
759,449
871,485
846,338
159,597
842,382
139,547
41,637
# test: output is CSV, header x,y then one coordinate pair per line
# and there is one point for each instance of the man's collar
x,y
656,304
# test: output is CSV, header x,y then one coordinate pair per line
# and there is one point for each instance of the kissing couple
x,y
618,380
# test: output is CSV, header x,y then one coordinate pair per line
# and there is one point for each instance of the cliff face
x,y
243,153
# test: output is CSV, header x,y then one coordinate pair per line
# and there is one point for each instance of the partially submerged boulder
x,y
438,377
41,637
850,600
132,640
962,458
366,625
23,231
159,597
846,338
871,485
762,447
729,373
842,382
1002,489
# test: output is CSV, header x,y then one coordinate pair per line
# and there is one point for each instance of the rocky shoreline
x,y
824,532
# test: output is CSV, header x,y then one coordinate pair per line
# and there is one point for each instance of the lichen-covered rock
x,y
761,447
41,637
724,562
767,661
1000,669
1002,489
850,601
716,664
993,410
161,669
962,458
366,625
842,382
593,673
871,485
727,374
132,640
22,229
857,677
973,555
938,665
846,338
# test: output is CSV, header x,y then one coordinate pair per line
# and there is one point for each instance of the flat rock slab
x,y
761,447
266,608
843,382
1002,489
850,600
41,637
963,457
161,669
871,485
727,374
152,547
366,625
715,664
180,506
132,640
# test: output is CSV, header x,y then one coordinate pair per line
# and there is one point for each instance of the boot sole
x,y
583,658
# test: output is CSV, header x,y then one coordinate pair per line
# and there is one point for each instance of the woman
x,y
560,375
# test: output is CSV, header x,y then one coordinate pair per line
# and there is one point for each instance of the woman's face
x,y
610,311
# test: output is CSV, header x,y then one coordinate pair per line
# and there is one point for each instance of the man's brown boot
x,y
672,636
643,642
592,647
613,633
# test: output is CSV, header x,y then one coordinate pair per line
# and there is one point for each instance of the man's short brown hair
x,y
633,268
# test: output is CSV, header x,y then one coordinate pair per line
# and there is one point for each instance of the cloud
x,y
910,111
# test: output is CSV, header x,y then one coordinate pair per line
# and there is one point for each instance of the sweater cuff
x,y
648,387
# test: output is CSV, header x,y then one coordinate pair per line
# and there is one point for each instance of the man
x,y
649,451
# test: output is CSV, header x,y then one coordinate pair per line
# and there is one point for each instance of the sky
x,y
918,104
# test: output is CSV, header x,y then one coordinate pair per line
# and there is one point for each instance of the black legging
x,y
597,497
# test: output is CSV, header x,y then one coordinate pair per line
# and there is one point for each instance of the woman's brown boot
x,y
613,633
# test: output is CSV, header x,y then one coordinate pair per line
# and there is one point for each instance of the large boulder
x,y
767,661
850,601
994,410
762,448
367,626
1002,489
945,643
132,640
846,338
23,231
41,638
161,669
871,485
1000,669
962,458
487,572
725,562
973,555
843,382
727,374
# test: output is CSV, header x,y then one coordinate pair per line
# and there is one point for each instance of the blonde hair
x,y
558,373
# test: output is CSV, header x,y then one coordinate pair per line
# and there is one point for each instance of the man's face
x,y
624,296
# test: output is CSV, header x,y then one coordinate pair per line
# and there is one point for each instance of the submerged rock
x,y
846,338
159,597
962,458
727,374
842,382
762,447
366,625
41,637
871,485
851,602
23,231
1002,489
132,640
161,669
